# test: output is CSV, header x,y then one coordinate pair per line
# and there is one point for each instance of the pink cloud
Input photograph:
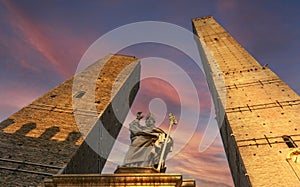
x,y
210,166
226,5
34,34
157,87
152,87
16,96
27,65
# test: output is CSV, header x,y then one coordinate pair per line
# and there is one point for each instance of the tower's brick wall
x,y
260,109
43,139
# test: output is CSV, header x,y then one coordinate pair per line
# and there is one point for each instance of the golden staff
x,y
173,121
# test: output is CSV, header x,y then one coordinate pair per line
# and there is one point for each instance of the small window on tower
x,y
289,141
79,94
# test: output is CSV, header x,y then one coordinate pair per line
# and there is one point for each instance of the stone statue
x,y
146,143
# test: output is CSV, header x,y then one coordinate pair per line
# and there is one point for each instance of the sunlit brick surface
x,y
260,109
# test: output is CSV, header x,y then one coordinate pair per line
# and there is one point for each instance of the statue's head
x,y
150,120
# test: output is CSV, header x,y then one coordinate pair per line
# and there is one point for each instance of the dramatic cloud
x,y
14,99
34,34
35,56
210,165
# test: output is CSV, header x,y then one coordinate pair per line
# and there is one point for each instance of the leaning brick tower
x,y
260,121
43,138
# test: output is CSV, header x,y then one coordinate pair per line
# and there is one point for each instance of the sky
x,y
42,42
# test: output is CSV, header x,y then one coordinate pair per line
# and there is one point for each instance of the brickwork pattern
x,y
260,109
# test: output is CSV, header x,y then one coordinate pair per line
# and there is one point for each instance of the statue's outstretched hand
x,y
139,115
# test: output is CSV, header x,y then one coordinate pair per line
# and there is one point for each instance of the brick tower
x,y
260,130
43,139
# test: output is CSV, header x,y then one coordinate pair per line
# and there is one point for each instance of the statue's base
x,y
122,169
119,179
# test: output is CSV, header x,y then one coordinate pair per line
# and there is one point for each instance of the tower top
x,y
205,18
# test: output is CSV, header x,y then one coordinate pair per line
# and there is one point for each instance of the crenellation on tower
x,y
259,130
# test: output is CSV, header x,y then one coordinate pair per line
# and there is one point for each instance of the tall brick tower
x,y
43,138
260,130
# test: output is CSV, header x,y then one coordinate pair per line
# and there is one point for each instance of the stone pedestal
x,y
128,180
123,176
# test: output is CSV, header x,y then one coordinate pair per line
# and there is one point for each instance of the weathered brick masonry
x,y
43,139
260,130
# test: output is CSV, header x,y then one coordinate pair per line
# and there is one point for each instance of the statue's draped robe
x,y
146,145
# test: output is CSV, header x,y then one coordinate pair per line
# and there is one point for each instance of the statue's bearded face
x,y
150,120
